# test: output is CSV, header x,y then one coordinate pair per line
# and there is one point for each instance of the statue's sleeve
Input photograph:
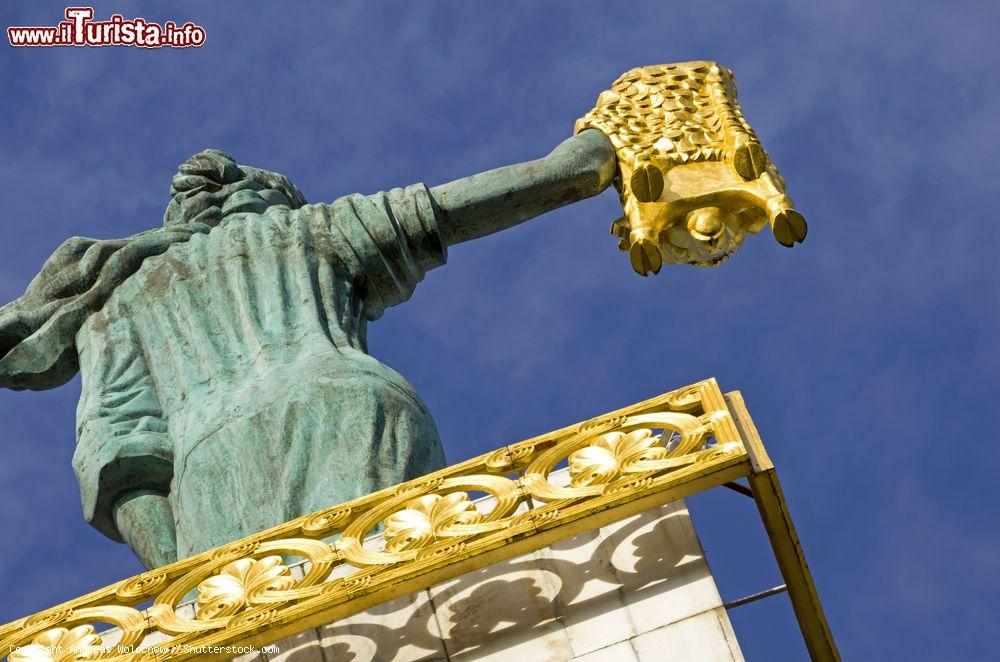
x,y
386,242
122,442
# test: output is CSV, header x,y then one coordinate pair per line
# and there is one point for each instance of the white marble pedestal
x,y
636,590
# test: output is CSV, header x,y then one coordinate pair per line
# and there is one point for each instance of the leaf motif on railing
x,y
427,518
61,645
430,524
239,582
611,454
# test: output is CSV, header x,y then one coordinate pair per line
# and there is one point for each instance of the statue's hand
x,y
692,177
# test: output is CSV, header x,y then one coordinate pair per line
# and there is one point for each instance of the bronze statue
x,y
227,386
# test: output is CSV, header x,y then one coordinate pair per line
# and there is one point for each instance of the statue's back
x,y
233,369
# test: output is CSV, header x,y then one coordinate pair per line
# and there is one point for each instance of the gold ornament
x,y
619,465
239,583
61,645
611,454
427,518
693,178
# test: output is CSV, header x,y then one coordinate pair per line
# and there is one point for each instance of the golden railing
x,y
619,464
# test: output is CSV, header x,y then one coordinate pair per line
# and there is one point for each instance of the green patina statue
x,y
227,386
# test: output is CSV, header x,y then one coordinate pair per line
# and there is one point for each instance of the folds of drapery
x,y
383,244
388,241
122,440
38,330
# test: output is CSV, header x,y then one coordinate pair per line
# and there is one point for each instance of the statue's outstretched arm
x,y
495,200
692,176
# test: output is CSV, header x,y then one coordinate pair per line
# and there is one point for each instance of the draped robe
x,y
231,370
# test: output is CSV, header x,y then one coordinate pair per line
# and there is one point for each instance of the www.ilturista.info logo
x,y
79,29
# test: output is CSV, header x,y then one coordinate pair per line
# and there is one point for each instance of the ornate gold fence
x,y
619,464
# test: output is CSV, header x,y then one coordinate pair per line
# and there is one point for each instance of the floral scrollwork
x,y
430,527
419,486
253,618
533,517
598,460
499,460
343,587
441,516
48,617
685,399
428,518
69,635
505,458
239,584
145,584
600,425
434,553
326,521
236,550
612,454
61,645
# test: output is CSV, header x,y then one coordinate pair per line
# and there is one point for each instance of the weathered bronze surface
x,y
226,382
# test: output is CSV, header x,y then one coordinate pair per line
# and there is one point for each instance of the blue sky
x,y
868,356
